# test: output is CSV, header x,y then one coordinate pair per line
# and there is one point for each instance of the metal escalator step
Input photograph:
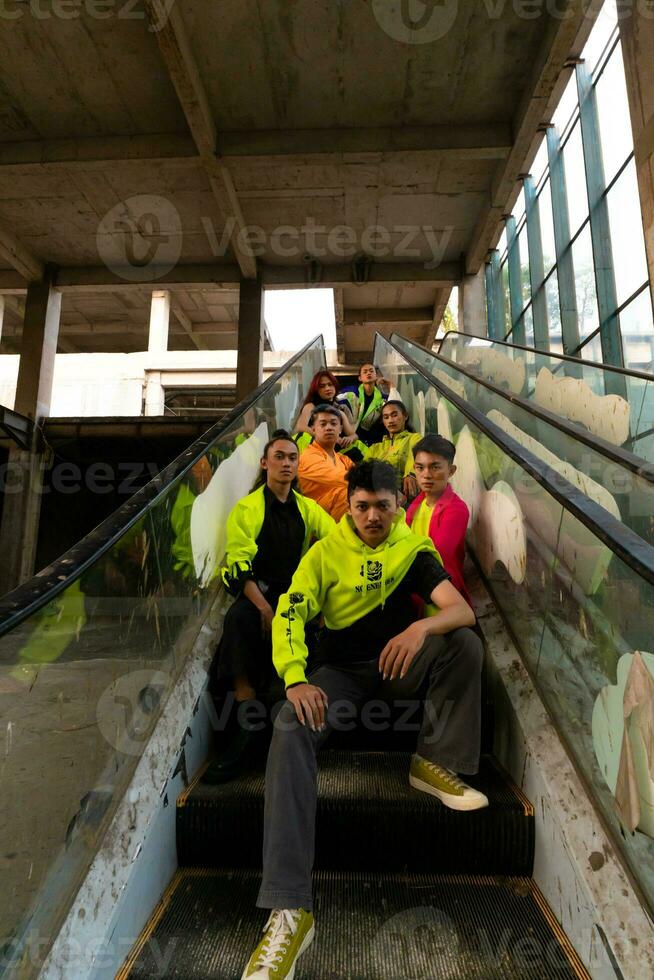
x,y
368,927
363,798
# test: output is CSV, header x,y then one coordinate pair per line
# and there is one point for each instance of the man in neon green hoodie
x,y
361,576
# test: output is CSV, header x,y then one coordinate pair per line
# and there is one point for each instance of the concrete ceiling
x,y
308,129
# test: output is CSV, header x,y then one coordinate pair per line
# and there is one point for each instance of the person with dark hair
x,y
268,532
366,401
322,470
438,512
395,448
361,576
323,390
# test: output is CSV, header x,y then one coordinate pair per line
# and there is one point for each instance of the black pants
x,y
446,673
244,648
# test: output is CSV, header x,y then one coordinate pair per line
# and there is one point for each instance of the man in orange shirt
x,y
322,470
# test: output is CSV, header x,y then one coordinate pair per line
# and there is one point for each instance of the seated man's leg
x,y
448,671
290,805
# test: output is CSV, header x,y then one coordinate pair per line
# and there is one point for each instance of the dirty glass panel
x,y
627,422
582,618
84,679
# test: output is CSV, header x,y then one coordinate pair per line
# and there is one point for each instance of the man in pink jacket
x,y
438,512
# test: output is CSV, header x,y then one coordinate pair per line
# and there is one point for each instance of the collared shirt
x,y
279,544
323,479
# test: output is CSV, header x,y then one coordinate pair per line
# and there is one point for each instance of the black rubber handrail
x,y
28,598
621,540
636,464
629,372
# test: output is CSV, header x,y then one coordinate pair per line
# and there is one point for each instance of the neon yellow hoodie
x,y
344,579
396,450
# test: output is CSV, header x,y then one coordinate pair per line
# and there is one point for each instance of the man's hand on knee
x,y
400,651
310,703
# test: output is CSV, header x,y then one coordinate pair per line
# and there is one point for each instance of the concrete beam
x,y
391,273
473,317
490,141
18,256
88,153
90,279
185,76
399,315
188,326
339,319
565,37
249,364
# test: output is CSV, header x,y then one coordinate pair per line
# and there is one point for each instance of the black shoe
x,y
233,760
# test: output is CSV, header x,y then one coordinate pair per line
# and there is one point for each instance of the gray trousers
x,y
446,672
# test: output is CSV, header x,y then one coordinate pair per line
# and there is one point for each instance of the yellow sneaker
x,y
288,932
429,777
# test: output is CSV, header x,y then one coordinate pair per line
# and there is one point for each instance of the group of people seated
x,y
345,596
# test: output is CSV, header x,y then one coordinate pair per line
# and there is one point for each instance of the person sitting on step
x,y
438,512
365,403
268,531
322,470
361,576
396,447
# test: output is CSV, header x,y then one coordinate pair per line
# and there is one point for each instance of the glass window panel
x,y
615,123
575,176
592,351
528,321
507,295
568,104
501,245
540,162
519,209
627,239
554,313
603,28
547,227
638,333
585,288
524,265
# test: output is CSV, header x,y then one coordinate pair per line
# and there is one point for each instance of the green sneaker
x,y
288,932
429,777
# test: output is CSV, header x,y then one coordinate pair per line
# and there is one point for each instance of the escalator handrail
x,y
621,540
31,596
636,464
598,365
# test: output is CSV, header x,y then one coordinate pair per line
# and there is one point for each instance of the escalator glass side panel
x,y
84,679
616,405
624,493
582,617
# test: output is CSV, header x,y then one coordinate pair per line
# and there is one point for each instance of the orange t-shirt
x,y
323,479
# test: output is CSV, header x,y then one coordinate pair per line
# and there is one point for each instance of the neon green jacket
x,y
396,450
344,579
244,524
356,401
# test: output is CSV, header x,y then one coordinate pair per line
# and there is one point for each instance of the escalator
x,y
119,861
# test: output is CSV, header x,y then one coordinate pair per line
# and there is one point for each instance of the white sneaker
x,y
288,932
431,778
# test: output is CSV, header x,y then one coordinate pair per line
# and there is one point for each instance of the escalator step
x,y
368,927
364,799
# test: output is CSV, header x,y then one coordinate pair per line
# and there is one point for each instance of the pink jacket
x,y
447,529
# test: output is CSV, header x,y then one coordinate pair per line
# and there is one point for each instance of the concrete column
x,y
249,363
157,343
24,477
637,37
473,317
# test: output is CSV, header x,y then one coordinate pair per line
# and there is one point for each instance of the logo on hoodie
x,y
374,572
